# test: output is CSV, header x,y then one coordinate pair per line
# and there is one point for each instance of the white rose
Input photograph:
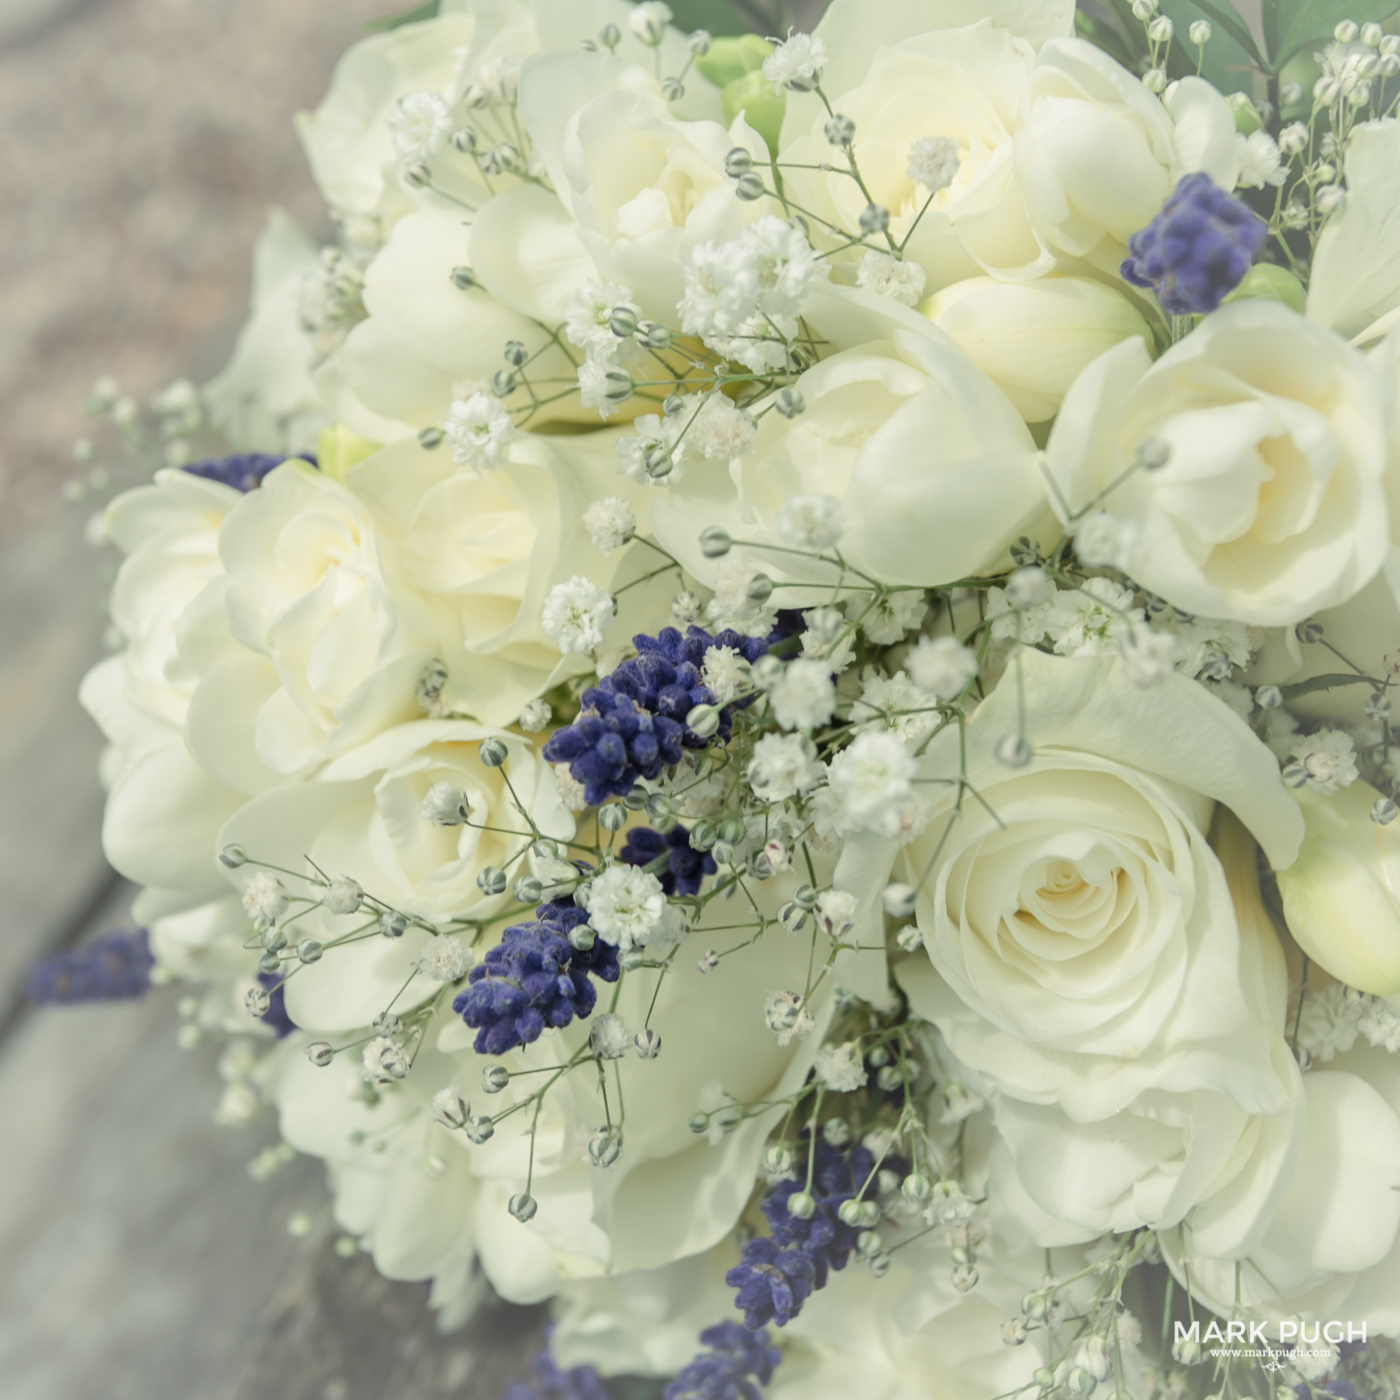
x,y
330,663
1354,288
591,1221
1306,1223
362,817
934,468
348,140
961,85
475,557
1097,154
1270,504
1088,961
423,338
643,187
1033,338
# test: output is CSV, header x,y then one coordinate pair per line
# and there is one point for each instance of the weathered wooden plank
x,y
51,624
337,1330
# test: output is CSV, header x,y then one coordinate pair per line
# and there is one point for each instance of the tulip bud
x,y
1033,338
1341,896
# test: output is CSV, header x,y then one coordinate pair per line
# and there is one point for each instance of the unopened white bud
x,y
1200,32
343,896
450,1108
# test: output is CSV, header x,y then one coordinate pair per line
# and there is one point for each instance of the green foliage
x,y
1231,56
427,10
729,59
1291,25
763,108
718,16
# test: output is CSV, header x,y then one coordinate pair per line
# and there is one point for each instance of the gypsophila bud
x,y
493,752
523,1207
898,899
430,438
233,856
750,186
1268,697
463,278
320,1053
309,950
708,961
840,131
1200,32
1144,9
494,1078
450,1108
874,218
699,1122
801,1206
647,1044
715,542
738,162
269,962
605,1147
1161,30
273,939
612,816
1013,1332
1155,80
393,924
1384,811
1293,139
528,890
836,1132
1330,199
699,41
386,1023
1346,31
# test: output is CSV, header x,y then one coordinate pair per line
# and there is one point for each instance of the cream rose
x,y
591,1221
330,662
475,556
1033,338
363,817
1096,154
1082,948
1341,897
1270,503
643,188
959,86
934,469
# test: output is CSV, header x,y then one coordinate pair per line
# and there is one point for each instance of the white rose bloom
x,y
963,85
329,661
642,187
1096,154
475,558
1033,338
934,469
1270,502
1148,986
427,1199
363,813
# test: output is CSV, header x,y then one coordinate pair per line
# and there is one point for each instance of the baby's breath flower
x,y
446,959
575,614
809,522
840,1067
264,896
900,280
803,696
782,766
933,162
421,123
941,666
479,428
797,63
610,524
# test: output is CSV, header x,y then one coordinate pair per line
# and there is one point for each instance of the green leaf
x,y
428,10
1231,54
1103,36
1291,25
718,16
1328,682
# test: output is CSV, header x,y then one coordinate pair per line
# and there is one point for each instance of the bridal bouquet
x,y
761,706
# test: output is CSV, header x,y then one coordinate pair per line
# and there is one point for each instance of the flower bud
x,y
898,899
801,1206
451,1109
1341,896
915,1187
233,856
703,721
1013,750
647,1044
492,881
463,278
1346,31
479,1130
494,1078
612,816
777,1159
320,1053
874,218
605,1147
493,752
699,42
528,890
523,1207
840,131
715,542
789,403
257,1001
1200,32
1034,338
738,162
309,950
750,186
1161,30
